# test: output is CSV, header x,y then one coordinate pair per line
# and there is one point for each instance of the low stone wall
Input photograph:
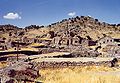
x,y
64,64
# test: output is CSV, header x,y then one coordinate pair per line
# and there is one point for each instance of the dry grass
x,y
3,64
46,39
38,32
23,49
88,74
37,44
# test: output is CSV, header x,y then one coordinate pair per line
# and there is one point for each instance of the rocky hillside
x,y
6,30
85,22
84,26
8,27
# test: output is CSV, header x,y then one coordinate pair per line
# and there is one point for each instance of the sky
x,y
44,12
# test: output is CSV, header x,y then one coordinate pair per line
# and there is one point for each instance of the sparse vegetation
x,y
3,64
88,74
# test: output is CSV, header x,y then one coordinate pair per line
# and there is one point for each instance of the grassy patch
x,y
88,74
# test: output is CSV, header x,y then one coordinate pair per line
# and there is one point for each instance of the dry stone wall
x,y
64,64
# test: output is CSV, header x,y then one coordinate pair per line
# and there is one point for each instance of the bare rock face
x,y
21,71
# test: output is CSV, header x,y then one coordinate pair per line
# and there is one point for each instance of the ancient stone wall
x,y
64,64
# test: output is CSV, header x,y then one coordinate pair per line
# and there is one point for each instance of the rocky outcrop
x,y
20,71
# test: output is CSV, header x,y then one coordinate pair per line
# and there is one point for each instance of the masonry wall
x,y
69,64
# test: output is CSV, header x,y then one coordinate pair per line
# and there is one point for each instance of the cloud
x,y
72,14
12,16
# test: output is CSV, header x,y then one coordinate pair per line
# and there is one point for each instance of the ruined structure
x,y
106,41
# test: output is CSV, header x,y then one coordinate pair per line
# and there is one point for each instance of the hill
x,y
84,26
